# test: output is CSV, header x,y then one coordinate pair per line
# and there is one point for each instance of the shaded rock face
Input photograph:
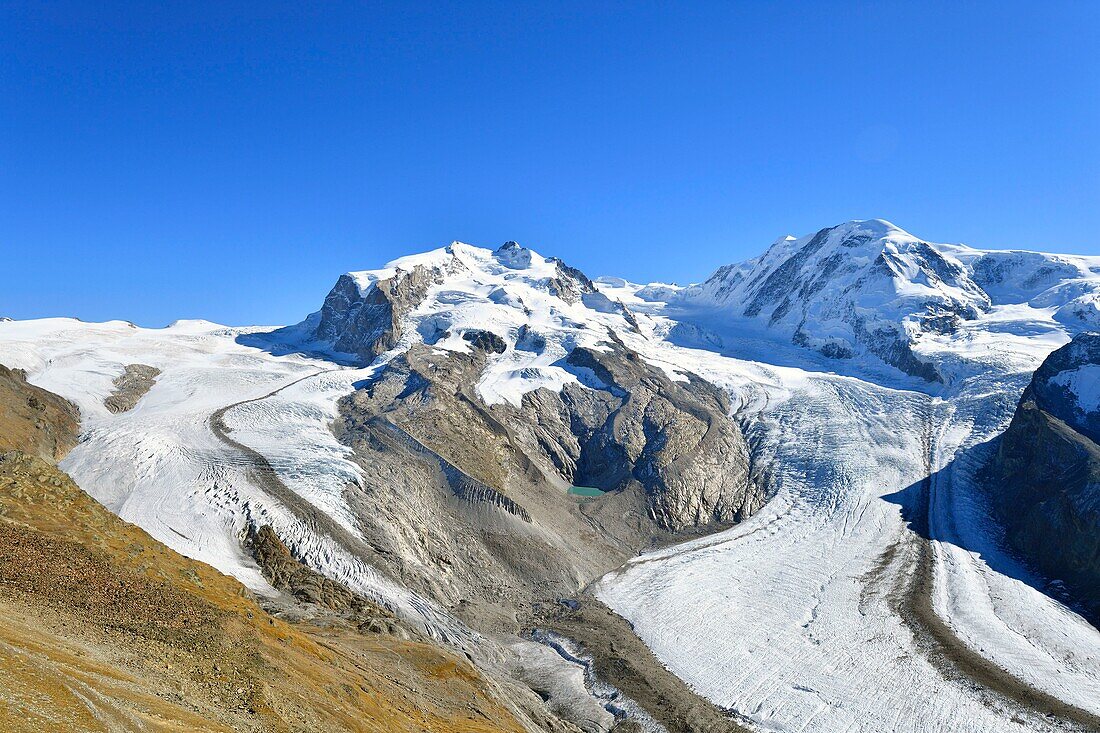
x,y
486,341
369,323
638,427
1047,475
570,284
1063,383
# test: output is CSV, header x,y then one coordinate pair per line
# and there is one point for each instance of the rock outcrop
x,y
365,318
634,426
33,420
455,506
131,386
1046,473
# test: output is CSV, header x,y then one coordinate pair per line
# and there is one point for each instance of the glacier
x,y
869,369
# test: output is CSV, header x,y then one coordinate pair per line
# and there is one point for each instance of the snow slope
x,y
791,619
161,467
1070,284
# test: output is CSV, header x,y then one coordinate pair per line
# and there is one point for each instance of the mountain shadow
x,y
979,526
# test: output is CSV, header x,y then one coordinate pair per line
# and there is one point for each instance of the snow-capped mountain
x,y
1069,285
486,441
869,287
529,310
511,322
864,286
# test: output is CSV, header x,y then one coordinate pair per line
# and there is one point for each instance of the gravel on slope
x,y
621,659
131,386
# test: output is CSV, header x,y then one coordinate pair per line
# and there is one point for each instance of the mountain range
x,y
850,484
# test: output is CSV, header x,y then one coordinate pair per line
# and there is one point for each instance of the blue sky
x,y
229,160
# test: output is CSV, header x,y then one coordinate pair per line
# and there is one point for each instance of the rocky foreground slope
x,y
1046,474
104,629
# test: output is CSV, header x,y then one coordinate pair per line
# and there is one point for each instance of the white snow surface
x,y
1084,384
509,292
789,618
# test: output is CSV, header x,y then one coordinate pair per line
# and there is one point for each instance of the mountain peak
x,y
864,285
878,226
511,254
532,310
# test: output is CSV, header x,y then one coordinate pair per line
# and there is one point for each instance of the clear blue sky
x,y
229,160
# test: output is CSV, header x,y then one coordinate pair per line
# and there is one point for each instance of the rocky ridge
x,y
1045,475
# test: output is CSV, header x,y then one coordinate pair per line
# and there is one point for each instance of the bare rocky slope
x,y
104,629
471,501
1046,473
33,420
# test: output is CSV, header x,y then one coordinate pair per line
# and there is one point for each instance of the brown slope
x,y
34,420
102,628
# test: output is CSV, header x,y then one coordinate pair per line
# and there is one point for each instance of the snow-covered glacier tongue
x,y
874,592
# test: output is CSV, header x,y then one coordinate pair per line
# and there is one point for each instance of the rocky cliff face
x,y
635,426
1046,473
33,420
366,320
